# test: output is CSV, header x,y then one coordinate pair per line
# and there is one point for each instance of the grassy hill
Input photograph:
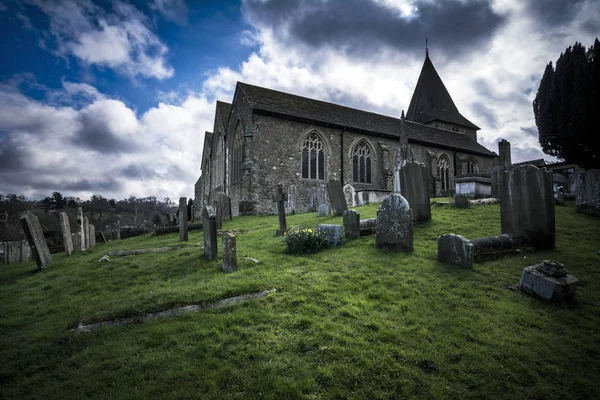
x,y
349,322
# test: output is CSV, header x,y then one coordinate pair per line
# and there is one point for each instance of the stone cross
x,y
279,197
65,227
183,220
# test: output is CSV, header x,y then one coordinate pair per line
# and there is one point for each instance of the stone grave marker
x,y
461,201
548,281
103,237
414,182
292,203
335,234
222,207
35,237
323,210
183,221
337,197
229,252
209,226
81,228
86,230
351,220
455,249
65,228
527,204
368,226
280,197
92,235
394,221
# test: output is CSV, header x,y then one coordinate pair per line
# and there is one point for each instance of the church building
x,y
266,137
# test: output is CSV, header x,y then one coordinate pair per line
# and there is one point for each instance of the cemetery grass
x,y
349,322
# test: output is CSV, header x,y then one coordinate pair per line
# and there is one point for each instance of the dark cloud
x,y
96,134
13,155
134,171
531,131
360,27
554,13
485,113
97,186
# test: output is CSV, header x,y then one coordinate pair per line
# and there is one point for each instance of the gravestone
x,y
76,240
337,197
316,197
103,237
222,207
65,228
323,210
117,233
35,238
414,183
527,204
394,224
81,229
461,201
292,203
183,221
229,252
494,247
368,226
280,197
548,281
334,234
351,220
209,225
350,194
92,235
86,230
455,249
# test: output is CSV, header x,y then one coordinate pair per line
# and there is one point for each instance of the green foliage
x,y
567,108
304,240
157,220
350,322
54,203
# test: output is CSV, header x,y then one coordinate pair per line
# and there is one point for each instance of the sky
x,y
113,97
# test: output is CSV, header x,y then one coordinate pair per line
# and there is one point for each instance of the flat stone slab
x,y
142,251
173,311
548,281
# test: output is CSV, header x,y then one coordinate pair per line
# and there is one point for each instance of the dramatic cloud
x,y
173,10
120,39
363,28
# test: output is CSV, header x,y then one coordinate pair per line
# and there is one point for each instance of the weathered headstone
x,y
368,226
280,197
117,234
350,194
183,221
209,226
455,249
92,235
222,207
229,252
415,189
86,230
527,204
76,240
81,228
335,234
461,201
35,237
548,281
494,247
337,197
323,210
292,203
394,224
65,228
351,220
103,237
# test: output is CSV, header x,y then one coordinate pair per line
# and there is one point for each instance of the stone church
x,y
265,137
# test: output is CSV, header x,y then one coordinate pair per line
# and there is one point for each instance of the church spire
x,y
426,48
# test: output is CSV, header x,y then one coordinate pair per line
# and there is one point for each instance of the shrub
x,y
304,240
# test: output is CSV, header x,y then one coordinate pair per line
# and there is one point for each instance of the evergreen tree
x,y
566,106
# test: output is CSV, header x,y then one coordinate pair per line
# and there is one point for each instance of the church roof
x,y
285,105
224,109
431,100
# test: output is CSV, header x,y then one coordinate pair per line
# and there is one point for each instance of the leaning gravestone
x,y
415,189
351,220
209,225
65,228
455,249
81,228
527,204
394,228
92,235
229,252
337,197
323,210
183,222
280,197
86,229
35,237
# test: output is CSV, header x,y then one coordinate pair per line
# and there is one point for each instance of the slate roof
x,y
431,100
289,106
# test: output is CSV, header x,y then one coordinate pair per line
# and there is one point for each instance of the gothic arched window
x,y
313,157
236,154
361,163
443,167
471,166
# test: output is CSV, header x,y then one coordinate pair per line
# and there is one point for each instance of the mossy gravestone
x,y
209,225
65,228
35,237
183,222
229,252
394,224
337,197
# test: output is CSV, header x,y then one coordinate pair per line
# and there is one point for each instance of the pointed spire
x,y
426,48
402,116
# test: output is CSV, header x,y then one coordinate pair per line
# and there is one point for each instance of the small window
x,y
471,167
313,158
361,163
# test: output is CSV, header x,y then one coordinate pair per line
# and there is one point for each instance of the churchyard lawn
x,y
349,322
